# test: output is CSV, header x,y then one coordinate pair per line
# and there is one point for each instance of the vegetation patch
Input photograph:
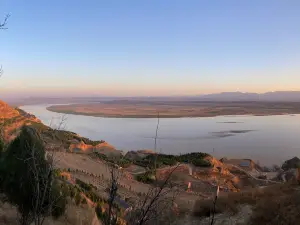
x,y
160,160
27,180
83,185
122,162
147,177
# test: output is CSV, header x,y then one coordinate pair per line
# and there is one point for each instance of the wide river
x,y
267,139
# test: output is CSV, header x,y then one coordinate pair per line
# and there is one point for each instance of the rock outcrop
x,y
245,164
103,148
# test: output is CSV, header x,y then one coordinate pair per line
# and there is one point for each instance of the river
x,y
265,139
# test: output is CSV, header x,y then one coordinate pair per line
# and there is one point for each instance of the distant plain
x,y
176,109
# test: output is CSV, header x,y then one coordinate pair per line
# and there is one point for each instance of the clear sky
x,y
149,47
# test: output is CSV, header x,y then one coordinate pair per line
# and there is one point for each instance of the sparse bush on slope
x,y
195,158
1,146
272,205
201,163
282,210
27,178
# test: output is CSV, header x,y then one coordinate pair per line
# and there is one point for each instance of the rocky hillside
x,y
101,147
11,121
6,111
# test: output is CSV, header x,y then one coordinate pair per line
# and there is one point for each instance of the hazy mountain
x,y
281,96
285,96
293,96
231,96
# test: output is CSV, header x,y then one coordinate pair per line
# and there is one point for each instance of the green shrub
x,y
145,178
99,213
85,186
59,197
73,191
23,168
201,163
83,201
77,199
160,160
123,162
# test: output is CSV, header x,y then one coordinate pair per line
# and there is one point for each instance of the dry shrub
x,y
230,202
203,208
284,210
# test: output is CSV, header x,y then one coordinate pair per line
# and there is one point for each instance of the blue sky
x,y
149,47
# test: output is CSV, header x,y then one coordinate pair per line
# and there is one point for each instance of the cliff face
x,y
11,120
6,111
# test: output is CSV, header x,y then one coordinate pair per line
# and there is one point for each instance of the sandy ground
x,y
173,109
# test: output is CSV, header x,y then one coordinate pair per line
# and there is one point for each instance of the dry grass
x,y
258,198
74,215
8,214
283,210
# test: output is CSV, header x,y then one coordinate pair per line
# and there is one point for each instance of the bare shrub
x,y
231,202
282,210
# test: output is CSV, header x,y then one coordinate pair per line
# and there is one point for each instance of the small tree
x,y
158,201
111,217
27,178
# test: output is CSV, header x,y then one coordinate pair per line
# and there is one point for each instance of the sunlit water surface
x,y
267,139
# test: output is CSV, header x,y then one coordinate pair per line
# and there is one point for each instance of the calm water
x,y
268,139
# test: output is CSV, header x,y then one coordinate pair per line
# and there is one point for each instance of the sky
x,y
149,47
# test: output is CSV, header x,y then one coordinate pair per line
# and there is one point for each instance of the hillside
x,y
194,177
6,111
12,120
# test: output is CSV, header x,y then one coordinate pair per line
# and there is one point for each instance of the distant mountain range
x,y
279,96
293,96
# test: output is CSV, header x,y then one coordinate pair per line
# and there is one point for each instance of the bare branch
x,y
155,145
112,218
155,202
4,23
3,27
62,123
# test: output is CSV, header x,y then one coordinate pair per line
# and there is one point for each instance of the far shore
x,y
132,109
